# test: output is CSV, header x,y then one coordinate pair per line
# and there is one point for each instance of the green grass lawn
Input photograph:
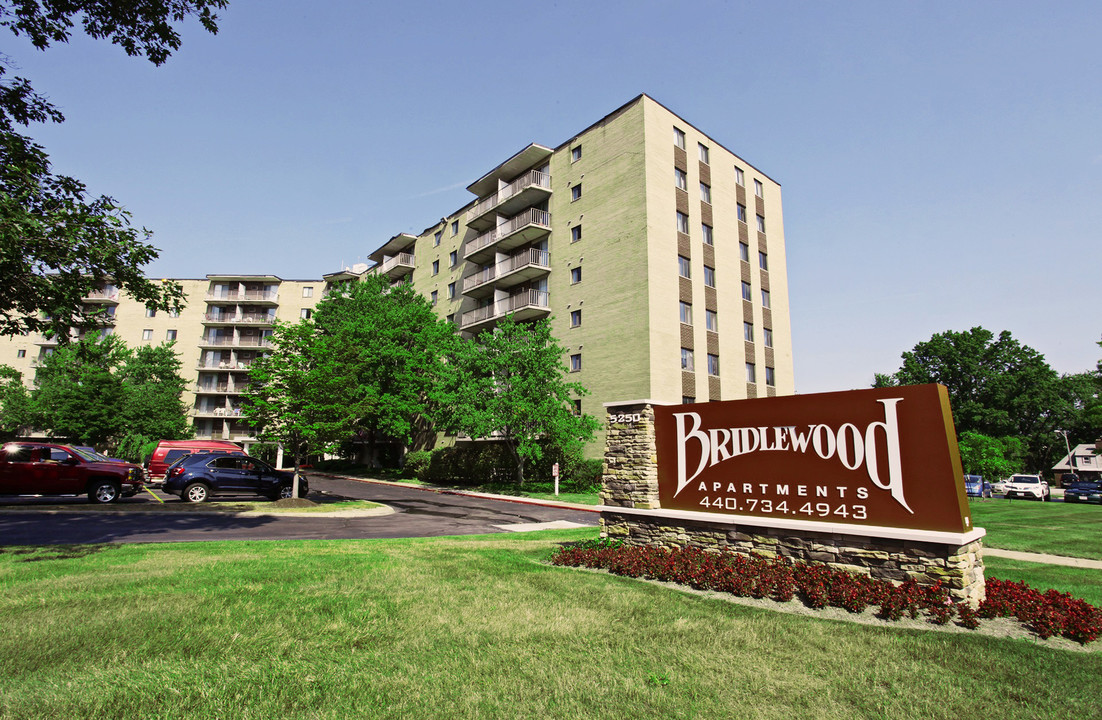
x,y
1055,528
466,628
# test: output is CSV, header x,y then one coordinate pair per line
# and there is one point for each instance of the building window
x,y
308,291
741,212
151,312
761,223
575,275
706,230
746,290
765,299
174,313
706,193
759,189
738,175
436,237
576,362
713,365
711,320
147,334
451,291
453,258
21,353
306,313
575,318
687,359
763,260
170,335
683,266
577,407
679,138
767,337
744,252
435,267
681,179
703,152
751,373
432,297
455,228
770,377
576,153
686,313
682,222
748,331
575,192
709,276
576,233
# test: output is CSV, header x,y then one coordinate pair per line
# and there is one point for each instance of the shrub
x,y
417,464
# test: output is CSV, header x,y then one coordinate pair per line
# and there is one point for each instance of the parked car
x,y
976,486
1082,490
32,468
197,477
1027,486
168,451
999,486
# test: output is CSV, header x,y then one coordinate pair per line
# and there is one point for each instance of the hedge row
x,y
491,464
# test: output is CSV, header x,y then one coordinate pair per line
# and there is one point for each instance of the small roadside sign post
x,y
555,474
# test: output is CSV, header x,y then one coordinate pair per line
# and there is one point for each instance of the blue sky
x,y
940,162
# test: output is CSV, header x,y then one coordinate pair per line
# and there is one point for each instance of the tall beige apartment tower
x,y
657,253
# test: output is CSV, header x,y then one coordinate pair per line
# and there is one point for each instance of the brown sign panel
x,y
886,457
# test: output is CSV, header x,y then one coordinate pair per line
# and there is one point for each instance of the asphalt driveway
x,y
418,513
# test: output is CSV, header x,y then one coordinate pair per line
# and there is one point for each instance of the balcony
x,y
216,412
530,188
103,296
516,231
250,296
396,266
221,388
224,367
519,267
243,342
235,319
524,305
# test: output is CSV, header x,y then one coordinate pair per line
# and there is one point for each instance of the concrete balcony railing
x,y
523,305
235,342
528,259
244,319
519,229
396,266
243,296
103,295
224,366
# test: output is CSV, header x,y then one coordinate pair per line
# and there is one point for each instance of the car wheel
x,y
196,493
103,491
285,492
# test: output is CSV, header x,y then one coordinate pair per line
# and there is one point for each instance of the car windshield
x,y
89,455
1024,479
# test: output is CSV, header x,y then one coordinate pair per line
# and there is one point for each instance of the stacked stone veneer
x,y
630,482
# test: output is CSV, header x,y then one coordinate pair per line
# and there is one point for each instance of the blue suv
x,y
196,477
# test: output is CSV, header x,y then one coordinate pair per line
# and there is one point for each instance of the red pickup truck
x,y
33,468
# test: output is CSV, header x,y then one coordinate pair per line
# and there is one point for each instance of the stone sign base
x,y
631,512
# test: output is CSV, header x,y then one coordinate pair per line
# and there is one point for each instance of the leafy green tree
x,y
993,458
78,395
153,405
395,352
513,386
57,244
15,403
997,387
294,394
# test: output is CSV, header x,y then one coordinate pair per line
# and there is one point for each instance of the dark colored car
x,y
197,476
33,468
1082,489
976,486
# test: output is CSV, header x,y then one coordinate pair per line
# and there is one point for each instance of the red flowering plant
x,y
1048,613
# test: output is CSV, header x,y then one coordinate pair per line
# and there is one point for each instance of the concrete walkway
x,y
1043,558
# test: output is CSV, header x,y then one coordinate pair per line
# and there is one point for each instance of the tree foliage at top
x,y
513,386
57,244
1000,388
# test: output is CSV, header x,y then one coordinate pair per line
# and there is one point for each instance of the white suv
x,y
1027,486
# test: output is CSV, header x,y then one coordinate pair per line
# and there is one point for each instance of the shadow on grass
x,y
55,552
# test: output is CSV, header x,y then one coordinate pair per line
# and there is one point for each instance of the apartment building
x,y
224,327
657,254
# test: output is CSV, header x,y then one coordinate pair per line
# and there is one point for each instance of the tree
x,y
294,392
57,245
997,387
78,395
15,403
153,405
993,458
513,386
